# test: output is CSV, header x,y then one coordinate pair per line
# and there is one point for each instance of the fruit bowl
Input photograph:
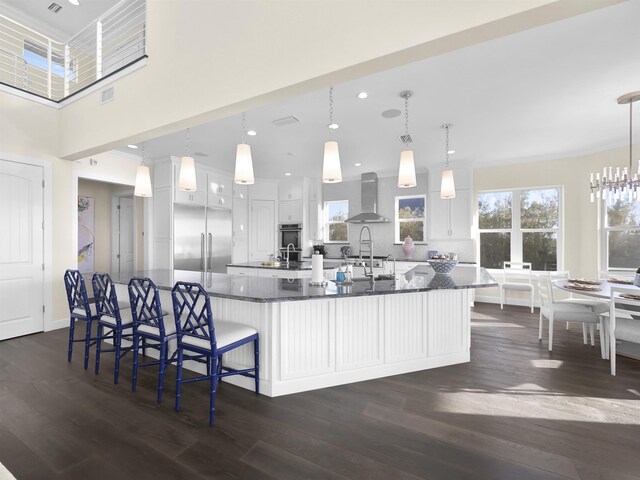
x,y
442,266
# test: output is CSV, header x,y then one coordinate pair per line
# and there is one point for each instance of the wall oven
x,y
291,233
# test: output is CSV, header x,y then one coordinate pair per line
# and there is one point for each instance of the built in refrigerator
x,y
202,238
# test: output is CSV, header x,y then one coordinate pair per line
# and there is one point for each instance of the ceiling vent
x,y
106,95
280,122
55,8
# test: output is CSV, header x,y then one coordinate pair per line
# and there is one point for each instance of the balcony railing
x,y
42,66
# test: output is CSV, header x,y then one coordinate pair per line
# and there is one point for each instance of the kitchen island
x,y
316,337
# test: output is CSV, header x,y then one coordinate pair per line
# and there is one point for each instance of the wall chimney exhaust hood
x,y
369,204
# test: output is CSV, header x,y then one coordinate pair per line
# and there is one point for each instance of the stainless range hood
x,y
369,192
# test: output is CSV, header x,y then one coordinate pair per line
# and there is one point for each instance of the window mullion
x,y
516,231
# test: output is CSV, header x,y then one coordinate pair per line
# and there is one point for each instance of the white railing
x,y
37,64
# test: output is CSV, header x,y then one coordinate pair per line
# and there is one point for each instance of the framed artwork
x,y
86,234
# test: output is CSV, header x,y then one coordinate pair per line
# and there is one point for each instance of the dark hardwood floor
x,y
515,412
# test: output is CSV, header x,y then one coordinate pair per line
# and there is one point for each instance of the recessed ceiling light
x,y
333,126
74,2
251,133
288,174
391,113
363,95
132,146
357,164
451,152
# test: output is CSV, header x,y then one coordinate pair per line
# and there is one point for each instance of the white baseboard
x,y
521,302
58,324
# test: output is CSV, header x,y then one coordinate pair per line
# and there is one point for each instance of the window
x,y
521,226
35,54
622,235
411,218
335,213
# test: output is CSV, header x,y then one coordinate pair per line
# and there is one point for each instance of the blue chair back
x,y
76,294
192,311
104,292
145,304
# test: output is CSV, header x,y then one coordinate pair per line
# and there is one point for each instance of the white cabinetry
x,y
450,219
290,211
290,190
240,224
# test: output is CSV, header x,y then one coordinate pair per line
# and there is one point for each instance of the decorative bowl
x,y
442,266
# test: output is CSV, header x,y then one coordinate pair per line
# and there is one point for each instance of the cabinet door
x,y
290,190
240,253
290,211
220,184
240,218
214,200
438,221
461,215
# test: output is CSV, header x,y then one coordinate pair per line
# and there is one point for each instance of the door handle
x,y
202,252
210,267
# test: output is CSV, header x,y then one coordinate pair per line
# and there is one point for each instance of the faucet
x,y
367,243
394,263
294,249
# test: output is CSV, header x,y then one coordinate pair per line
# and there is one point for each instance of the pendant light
x,y
244,164
447,186
143,180
407,168
187,177
331,171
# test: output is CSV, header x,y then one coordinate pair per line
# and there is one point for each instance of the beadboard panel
x,y
307,338
359,332
405,327
448,326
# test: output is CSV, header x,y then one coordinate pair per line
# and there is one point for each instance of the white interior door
x,y
122,235
21,249
262,229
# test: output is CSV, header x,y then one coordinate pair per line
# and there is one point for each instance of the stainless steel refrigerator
x,y
202,238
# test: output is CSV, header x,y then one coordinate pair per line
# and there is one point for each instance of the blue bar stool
x,y
200,339
150,328
79,309
117,322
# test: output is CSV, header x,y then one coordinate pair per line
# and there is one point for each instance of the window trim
x,y
326,223
604,240
397,220
516,251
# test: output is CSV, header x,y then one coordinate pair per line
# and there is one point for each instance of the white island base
x,y
311,344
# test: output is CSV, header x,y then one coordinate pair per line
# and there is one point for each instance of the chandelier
x,y
615,184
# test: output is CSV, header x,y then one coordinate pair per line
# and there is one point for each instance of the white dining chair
x,y
598,306
623,321
563,311
516,277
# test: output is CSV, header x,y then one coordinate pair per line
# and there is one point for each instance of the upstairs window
x,y
335,228
521,225
411,220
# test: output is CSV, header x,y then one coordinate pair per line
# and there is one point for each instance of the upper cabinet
x,y
290,190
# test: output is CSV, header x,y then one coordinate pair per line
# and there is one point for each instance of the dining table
x,y
601,289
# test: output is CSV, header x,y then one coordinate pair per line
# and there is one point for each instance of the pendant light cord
x,y
188,142
244,127
446,127
143,154
631,137
406,115
331,110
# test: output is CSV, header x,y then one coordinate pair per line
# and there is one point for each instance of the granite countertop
x,y
269,290
304,265
402,259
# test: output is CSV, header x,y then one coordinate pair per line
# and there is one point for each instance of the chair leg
x,y
178,378
72,325
163,367
531,300
502,295
603,353
87,342
99,347
540,326
567,327
134,372
256,352
592,334
212,389
612,352
117,340
584,333
550,332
